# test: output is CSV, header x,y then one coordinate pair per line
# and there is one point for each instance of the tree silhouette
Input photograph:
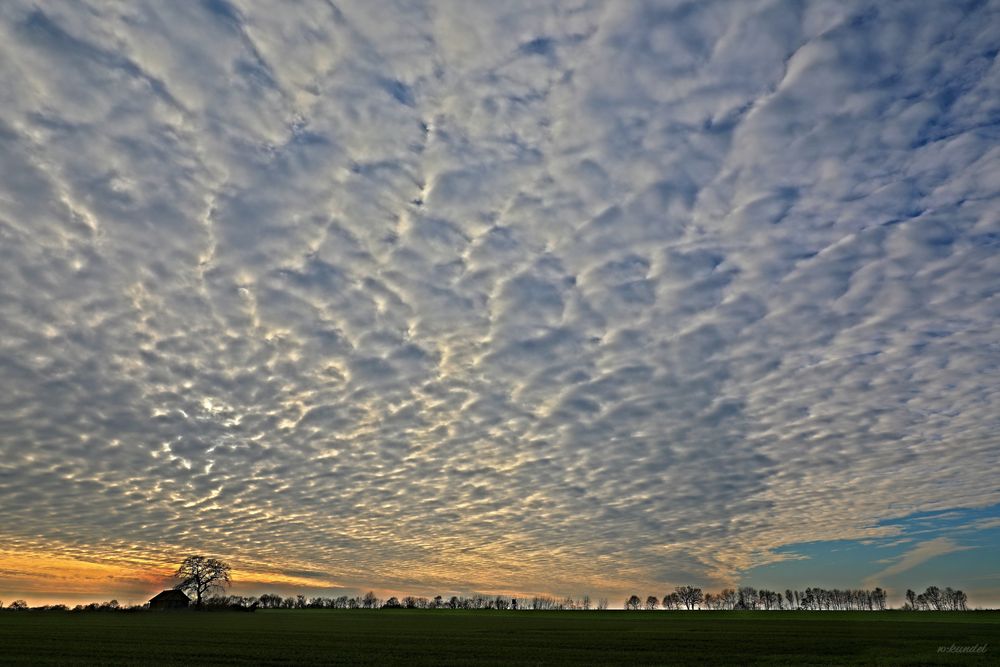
x,y
933,596
690,596
201,575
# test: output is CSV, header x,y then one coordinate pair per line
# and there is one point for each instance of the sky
x,y
544,297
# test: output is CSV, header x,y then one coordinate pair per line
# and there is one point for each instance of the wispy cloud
x,y
921,553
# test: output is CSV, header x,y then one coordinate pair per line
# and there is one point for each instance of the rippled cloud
x,y
557,297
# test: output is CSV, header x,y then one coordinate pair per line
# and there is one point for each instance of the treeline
x,y
110,605
811,599
936,599
371,601
748,598
682,597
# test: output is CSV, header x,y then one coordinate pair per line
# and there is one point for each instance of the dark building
x,y
172,599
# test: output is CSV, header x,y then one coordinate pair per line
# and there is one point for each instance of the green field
x,y
445,637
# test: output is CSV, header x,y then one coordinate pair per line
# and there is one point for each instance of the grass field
x,y
447,637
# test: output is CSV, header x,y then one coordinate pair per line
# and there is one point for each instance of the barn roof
x,y
171,594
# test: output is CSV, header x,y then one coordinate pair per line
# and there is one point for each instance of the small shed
x,y
171,599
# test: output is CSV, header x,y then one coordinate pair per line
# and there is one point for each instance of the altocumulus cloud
x,y
546,296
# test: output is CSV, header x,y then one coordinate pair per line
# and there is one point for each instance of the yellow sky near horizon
x,y
43,578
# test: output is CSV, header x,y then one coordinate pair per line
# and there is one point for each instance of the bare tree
x,y
672,601
602,604
878,599
270,601
585,603
633,603
690,596
651,603
933,596
747,598
201,575
956,600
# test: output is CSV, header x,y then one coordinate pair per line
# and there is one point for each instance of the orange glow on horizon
x,y
44,578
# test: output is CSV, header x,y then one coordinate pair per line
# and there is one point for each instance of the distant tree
x,y
769,599
585,603
633,603
270,601
369,601
955,600
728,598
438,602
911,598
201,575
652,603
878,599
392,603
933,597
18,605
672,601
690,596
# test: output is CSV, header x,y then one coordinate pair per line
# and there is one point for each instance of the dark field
x,y
499,638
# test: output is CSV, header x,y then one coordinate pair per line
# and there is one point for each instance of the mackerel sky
x,y
543,297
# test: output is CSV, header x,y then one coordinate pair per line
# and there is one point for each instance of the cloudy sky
x,y
555,297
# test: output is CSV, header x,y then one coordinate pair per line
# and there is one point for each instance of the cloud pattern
x,y
571,296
